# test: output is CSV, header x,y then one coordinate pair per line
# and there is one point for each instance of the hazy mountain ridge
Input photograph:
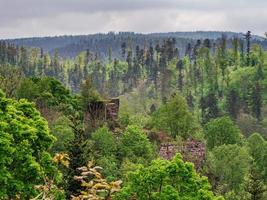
x,y
70,46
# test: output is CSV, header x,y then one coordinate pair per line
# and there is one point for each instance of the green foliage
x,y
24,141
254,185
257,147
75,150
228,166
168,180
222,131
89,93
104,142
45,90
213,81
256,100
233,103
175,118
63,133
135,145
249,125
135,106
209,107
104,150
10,79
110,166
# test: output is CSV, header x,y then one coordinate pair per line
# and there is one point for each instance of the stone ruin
x,y
191,150
103,111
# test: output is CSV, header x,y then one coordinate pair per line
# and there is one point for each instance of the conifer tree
x,y
123,49
55,64
242,54
75,152
110,55
248,38
256,100
179,66
232,103
23,60
209,107
235,50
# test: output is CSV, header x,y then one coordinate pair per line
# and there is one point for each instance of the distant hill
x,y
70,46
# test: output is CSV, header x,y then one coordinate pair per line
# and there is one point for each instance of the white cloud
x,y
59,17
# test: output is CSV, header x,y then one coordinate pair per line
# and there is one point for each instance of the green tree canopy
x,y
175,118
10,79
135,145
222,131
257,147
228,164
24,141
167,180
88,92
104,142
44,90
61,130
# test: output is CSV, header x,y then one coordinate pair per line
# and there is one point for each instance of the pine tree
x,y
87,57
55,64
259,73
242,56
123,49
209,107
110,55
235,50
188,50
248,37
256,100
75,152
222,56
129,83
179,66
24,60
232,103
207,43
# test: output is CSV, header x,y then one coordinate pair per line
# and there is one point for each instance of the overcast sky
x,y
27,18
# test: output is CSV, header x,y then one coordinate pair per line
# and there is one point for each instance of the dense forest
x,y
71,46
160,118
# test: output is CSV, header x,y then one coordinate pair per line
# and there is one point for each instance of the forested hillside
x,y
71,46
150,117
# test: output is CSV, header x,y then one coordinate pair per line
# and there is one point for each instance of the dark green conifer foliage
x,y
232,103
75,151
180,75
123,49
256,100
248,38
209,107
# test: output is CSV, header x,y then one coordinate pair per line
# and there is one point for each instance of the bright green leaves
x,y
169,180
229,165
24,140
104,142
175,118
135,145
222,131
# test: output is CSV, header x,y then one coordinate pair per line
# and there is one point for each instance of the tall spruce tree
x,y
232,103
256,100
248,38
75,152
179,66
